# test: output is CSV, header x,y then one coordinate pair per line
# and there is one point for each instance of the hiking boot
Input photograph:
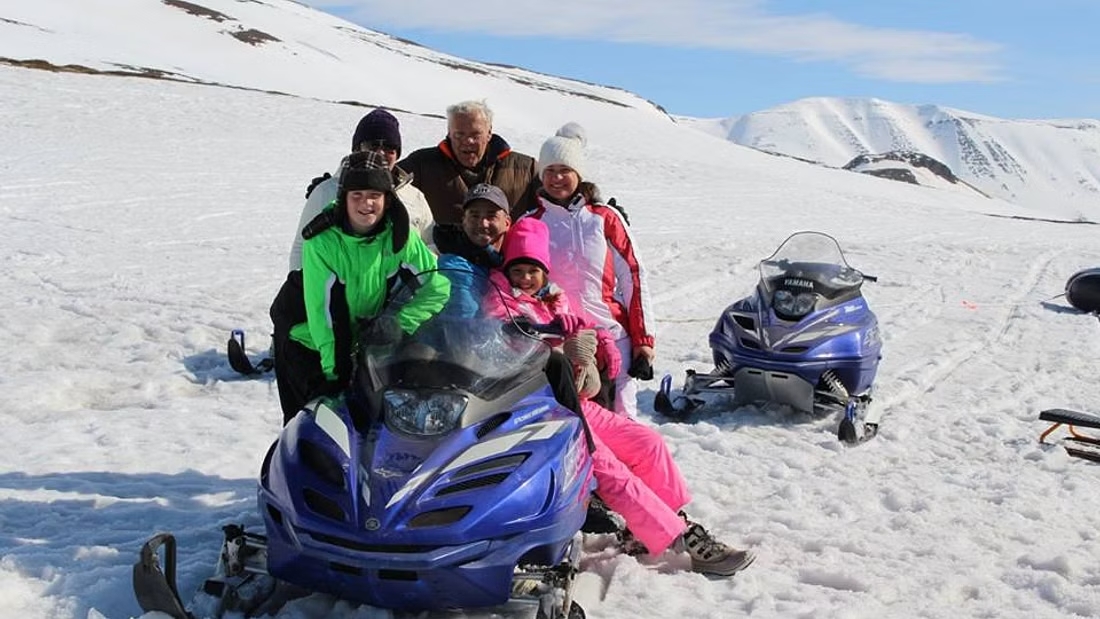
x,y
710,556
628,544
601,519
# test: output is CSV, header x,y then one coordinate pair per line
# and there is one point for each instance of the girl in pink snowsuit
x,y
634,471
522,289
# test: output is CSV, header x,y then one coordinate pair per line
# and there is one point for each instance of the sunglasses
x,y
374,145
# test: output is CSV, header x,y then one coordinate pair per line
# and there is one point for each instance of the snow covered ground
x,y
140,221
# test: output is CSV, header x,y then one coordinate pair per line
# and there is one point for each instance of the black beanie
x,y
368,171
378,126
358,179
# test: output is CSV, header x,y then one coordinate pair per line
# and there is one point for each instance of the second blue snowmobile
x,y
805,338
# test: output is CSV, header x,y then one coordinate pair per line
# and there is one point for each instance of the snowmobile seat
x,y
1071,418
1083,290
1077,444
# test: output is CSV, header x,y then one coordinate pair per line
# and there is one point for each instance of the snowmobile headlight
x,y
423,413
792,305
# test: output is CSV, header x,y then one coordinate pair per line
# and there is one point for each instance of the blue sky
x,y
717,58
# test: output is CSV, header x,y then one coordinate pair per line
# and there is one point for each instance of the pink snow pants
x,y
636,477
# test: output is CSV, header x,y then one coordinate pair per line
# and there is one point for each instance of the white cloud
x,y
894,54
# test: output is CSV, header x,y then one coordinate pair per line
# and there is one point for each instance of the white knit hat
x,y
565,148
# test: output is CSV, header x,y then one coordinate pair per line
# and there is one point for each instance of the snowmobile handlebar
x,y
535,329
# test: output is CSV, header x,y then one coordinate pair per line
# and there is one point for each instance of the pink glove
x,y
607,353
569,323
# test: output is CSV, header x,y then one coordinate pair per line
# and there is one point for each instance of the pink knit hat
x,y
528,240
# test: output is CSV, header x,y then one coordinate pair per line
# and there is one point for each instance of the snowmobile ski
x,y
854,428
240,362
155,588
851,433
240,583
1084,448
677,408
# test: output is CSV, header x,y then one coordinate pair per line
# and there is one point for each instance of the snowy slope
x,y
141,220
130,252
1052,165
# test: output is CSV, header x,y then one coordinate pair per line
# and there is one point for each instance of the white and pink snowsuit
x,y
593,260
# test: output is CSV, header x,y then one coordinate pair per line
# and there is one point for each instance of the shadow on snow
x,y
213,366
720,411
81,532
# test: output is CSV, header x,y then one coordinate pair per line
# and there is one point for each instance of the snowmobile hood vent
x,y
473,484
439,517
493,423
321,462
323,505
509,462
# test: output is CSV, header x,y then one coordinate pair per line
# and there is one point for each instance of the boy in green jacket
x,y
353,257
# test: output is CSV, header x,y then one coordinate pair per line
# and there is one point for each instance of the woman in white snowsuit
x,y
594,259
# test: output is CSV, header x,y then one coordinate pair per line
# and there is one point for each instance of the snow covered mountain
x,y
1048,164
277,46
282,46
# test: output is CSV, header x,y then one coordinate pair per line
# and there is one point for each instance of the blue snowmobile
x,y
805,338
446,477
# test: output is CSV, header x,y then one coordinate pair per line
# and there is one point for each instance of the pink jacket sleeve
x,y
499,301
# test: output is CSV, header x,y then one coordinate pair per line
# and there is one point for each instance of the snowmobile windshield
x,y
811,261
463,348
808,271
